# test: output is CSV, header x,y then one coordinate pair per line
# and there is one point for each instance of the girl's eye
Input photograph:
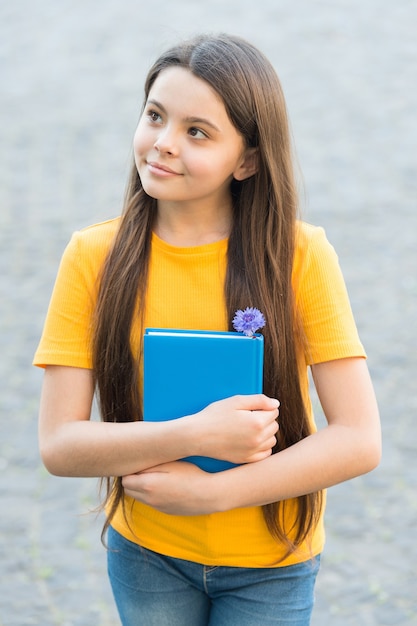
x,y
153,116
196,132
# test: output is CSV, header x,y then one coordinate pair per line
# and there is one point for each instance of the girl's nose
x,y
166,143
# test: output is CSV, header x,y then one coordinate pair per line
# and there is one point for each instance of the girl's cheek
x,y
137,141
141,138
137,150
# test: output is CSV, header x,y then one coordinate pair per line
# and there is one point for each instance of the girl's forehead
x,y
181,83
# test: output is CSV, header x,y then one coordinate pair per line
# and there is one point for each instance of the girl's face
x,y
186,148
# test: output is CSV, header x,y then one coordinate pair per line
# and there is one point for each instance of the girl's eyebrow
x,y
187,120
201,120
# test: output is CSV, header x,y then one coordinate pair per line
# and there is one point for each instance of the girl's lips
x,y
161,170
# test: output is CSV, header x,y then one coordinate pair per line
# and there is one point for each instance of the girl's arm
x,y
349,446
239,429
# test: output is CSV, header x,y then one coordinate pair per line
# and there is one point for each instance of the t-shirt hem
x,y
300,556
67,360
343,352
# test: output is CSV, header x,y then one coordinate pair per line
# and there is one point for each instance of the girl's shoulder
x,y
89,246
94,241
307,234
100,233
312,249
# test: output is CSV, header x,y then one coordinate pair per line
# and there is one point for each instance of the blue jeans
x,y
154,590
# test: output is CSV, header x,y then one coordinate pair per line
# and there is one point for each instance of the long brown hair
x,y
260,257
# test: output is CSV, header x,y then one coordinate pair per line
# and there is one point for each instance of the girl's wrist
x,y
192,435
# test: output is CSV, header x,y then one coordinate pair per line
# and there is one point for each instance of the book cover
x,y
185,370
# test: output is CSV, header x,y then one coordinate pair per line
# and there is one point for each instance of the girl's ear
x,y
248,166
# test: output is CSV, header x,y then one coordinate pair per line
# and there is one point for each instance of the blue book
x,y
185,370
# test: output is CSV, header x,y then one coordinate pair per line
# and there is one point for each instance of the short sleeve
x,y
322,300
66,336
67,333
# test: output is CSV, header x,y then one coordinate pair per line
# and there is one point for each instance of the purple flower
x,y
248,321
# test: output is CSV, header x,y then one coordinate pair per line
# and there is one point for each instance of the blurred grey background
x,y
71,77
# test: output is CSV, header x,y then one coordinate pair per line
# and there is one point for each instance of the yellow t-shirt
x,y
186,291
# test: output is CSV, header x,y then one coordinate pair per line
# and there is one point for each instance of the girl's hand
x,y
240,429
178,488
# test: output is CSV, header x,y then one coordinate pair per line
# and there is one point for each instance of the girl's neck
x,y
187,228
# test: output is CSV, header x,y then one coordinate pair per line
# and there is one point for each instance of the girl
x,y
209,226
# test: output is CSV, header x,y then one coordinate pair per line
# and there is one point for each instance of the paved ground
x,y
71,80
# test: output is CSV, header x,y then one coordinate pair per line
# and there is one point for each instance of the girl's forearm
x,y
349,446
329,457
87,448
239,429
